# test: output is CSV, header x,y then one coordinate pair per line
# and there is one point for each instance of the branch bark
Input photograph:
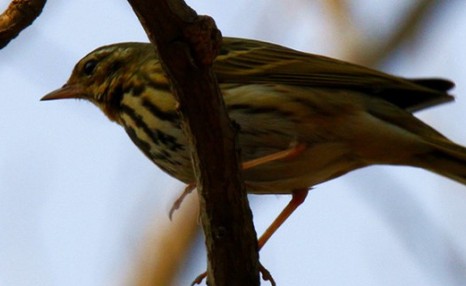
x,y
187,45
19,15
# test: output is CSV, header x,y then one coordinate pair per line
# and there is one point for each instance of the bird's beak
x,y
66,91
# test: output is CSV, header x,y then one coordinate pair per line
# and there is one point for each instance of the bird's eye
x,y
89,67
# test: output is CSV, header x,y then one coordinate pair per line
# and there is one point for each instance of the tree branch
x,y
408,28
18,15
187,45
164,253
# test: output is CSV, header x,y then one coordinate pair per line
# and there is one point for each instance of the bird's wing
x,y
246,61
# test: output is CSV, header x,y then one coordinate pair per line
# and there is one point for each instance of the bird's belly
x,y
316,164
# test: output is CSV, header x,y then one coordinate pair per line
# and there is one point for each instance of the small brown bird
x,y
331,116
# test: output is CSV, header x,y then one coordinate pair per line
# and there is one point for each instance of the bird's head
x,y
106,74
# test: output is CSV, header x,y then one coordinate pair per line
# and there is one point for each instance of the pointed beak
x,y
66,91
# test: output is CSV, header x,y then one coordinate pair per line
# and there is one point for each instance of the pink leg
x,y
281,155
298,197
176,205
285,154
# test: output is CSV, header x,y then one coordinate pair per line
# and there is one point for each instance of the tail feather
x,y
447,159
440,85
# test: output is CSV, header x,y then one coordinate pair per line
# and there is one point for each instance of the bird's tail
x,y
445,158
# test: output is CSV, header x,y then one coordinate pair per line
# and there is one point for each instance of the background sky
x,y
77,199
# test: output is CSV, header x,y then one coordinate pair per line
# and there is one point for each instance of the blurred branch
x,y
167,247
378,52
362,50
407,30
18,15
338,8
187,45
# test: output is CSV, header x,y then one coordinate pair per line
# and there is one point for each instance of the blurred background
x,y
80,205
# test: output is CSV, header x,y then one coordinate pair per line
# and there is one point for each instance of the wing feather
x,y
247,62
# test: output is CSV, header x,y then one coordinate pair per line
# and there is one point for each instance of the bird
x,y
303,119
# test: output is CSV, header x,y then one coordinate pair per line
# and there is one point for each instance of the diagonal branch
x,y
408,28
187,45
18,15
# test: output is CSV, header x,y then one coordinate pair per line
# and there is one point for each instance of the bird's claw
x,y
266,276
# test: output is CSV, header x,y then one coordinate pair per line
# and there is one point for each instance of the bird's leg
x,y
298,197
281,155
176,205
295,150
